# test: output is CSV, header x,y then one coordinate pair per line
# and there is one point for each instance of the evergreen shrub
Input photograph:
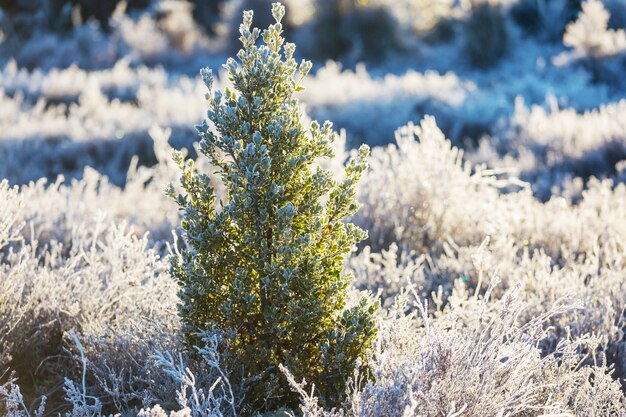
x,y
264,268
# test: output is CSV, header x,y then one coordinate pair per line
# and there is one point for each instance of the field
x,y
494,203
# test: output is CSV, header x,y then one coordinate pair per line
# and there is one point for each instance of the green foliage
x,y
265,267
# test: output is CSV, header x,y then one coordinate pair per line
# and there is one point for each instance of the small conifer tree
x,y
265,266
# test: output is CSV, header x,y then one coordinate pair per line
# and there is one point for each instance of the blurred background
x,y
83,81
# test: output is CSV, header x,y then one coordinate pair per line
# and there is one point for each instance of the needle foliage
x,y
265,266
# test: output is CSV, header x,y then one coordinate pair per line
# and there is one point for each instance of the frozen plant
x,y
12,402
590,36
554,146
84,405
216,400
266,267
10,291
419,209
475,358
109,278
296,12
388,272
600,49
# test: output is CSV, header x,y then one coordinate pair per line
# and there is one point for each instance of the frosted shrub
x,y
178,25
10,291
600,49
388,271
85,43
191,395
444,209
590,36
448,198
266,268
432,196
102,118
474,358
121,369
11,204
175,37
296,11
12,402
109,279
554,146
96,118
55,209
214,400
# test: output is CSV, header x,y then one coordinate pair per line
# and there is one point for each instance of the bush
x,y
264,267
589,35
